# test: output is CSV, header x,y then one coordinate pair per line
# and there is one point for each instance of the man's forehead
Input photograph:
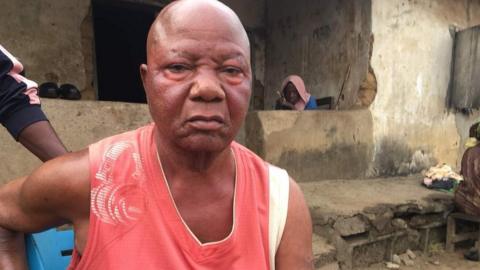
x,y
203,18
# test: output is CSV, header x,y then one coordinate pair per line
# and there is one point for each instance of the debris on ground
x,y
391,265
411,254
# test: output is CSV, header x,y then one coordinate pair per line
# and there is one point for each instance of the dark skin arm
x,y
295,250
40,139
57,193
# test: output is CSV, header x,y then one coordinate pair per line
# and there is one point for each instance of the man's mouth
x,y
206,123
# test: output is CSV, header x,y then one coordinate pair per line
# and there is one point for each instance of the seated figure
x,y
467,196
294,95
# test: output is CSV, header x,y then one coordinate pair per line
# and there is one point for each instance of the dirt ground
x,y
439,260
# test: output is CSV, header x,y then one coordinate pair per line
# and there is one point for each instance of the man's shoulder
x,y
130,134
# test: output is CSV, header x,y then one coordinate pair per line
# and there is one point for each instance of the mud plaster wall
x,y
411,57
49,38
317,39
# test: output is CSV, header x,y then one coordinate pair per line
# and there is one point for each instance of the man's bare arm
x,y
295,250
56,193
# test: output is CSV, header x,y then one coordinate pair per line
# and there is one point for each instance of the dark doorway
x,y
121,30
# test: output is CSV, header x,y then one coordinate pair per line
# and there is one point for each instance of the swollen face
x,y
198,84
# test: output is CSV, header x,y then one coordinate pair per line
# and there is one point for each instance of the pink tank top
x,y
134,223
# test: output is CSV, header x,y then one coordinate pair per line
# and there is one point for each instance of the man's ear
x,y
143,73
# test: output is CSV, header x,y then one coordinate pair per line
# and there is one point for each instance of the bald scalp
x,y
201,15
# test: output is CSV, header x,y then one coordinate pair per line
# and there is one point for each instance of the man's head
x,y
198,76
474,131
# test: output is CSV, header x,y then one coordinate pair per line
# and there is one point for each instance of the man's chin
x,y
204,143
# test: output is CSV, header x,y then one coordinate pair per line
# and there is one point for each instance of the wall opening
x,y
120,32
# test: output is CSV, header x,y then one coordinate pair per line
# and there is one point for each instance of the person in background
x,y
20,111
294,95
467,195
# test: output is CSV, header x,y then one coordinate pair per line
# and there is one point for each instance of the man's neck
x,y
208,166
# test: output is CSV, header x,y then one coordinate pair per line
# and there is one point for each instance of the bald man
x,y
179,193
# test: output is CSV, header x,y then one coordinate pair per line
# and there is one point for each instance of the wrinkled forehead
x,y
196,20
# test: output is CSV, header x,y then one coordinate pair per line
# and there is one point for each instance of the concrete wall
x,y
412,55
78,123
313,145
318,40
51,39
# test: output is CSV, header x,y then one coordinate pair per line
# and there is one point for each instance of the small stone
x,y
399,224
411,254
435,262
409,263
396,259
391,265
406,260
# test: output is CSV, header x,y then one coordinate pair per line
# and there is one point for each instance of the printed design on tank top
x,y
115,200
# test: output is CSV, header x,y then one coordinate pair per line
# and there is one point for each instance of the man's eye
x,y
232,70
177,68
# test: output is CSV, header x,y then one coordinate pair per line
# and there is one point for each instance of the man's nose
x,y
207,88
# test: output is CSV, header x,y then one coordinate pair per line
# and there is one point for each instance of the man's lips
x,y
206,123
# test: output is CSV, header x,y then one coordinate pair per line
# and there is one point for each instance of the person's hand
x,y
282,103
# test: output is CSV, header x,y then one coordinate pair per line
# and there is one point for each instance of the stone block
x,y
350,226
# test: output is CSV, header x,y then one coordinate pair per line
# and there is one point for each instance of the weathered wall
x,y
406,129
78,123
251,12
47,37
412,55
318,40
313,145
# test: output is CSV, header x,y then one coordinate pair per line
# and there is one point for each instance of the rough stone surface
x,y
350,226
411,254
406,260
366,229
323,252
330,199
396,259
